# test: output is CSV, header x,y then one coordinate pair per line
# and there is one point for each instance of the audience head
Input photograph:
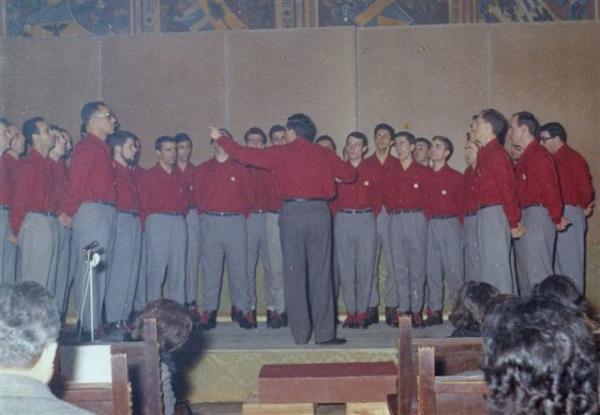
x,y
524,128
540,358
277,135
383,134
255,138
183,142
166,150
421,154
173,322
404,142
327,142
38,135
123,147
29,327
300,125
473,302
553,136
441,148
490,124
98,119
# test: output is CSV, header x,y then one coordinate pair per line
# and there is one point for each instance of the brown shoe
x,y
434,318
350,321
417,320
247,321
208,320
362,320
372,315
235,314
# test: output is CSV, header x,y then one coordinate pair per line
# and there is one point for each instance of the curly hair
x,y
540,359
472,303
29,322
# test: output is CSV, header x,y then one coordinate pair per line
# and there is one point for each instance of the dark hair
x,y
29,322
30,128
385,127
360,136
410,137
498,123
424,141
120,138
447,144
540,358
328,139
560,289
173,322
4,121
274,129
472,303
302,125
528,120
256,130
555,129
181,137
86,112
163,139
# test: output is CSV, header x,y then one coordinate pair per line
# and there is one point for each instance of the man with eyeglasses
x,y
578,196
88,204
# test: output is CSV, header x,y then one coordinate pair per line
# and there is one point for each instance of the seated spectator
x,y
540,359
474,300
563,290
174,325
29,326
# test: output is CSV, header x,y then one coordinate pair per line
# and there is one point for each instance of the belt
x,y
223,213
356,211
4,207
442,216
101,202
44,213
261,211
397,211
304,199
191,207
470,214
129,212
532,205
168,213
487,206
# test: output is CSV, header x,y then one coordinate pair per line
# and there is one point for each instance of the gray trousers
x,y
224,237
570,247
274,297
123,270
63,274
354,241
445,257
141,296
8,266
533,251
192,262
38,250
390,298
472,254
165,239
306,247
92,222
408,242
493,236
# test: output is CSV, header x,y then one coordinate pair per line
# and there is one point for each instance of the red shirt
x,y
373,161
188,176
495,181
537,181
445,193
222,187
91,175
364,192
471,204
405,189
263,194
8,171
574,177
35,189
162,192
300,169
128,195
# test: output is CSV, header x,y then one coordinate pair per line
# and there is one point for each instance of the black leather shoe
x,y
333,342
372,315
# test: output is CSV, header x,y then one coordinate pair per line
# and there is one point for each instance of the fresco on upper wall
x,y
494,11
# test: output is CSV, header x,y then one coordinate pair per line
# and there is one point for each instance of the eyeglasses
x,y
544,139
105,115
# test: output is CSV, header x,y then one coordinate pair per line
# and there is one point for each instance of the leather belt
x,y
129,212
487,206
398,211
470,214
261,211
304,199
4,207
44,213
532,205
168,213
223,213
442,216
356,211
101,202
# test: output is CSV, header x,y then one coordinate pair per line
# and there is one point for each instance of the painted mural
x,y
47,18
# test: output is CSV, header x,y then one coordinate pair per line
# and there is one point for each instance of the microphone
x,y
90,246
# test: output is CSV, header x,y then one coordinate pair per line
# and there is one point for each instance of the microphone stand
x,y
92,259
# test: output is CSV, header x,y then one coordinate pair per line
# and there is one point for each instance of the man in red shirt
x,y
192,221
381,160
164,204
445,237
263,236
88,204
472,254
404,189
498,214
8,167
538,193
277,135
578,197
304,175
123,270
355,208
220,193
421,153
35,206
